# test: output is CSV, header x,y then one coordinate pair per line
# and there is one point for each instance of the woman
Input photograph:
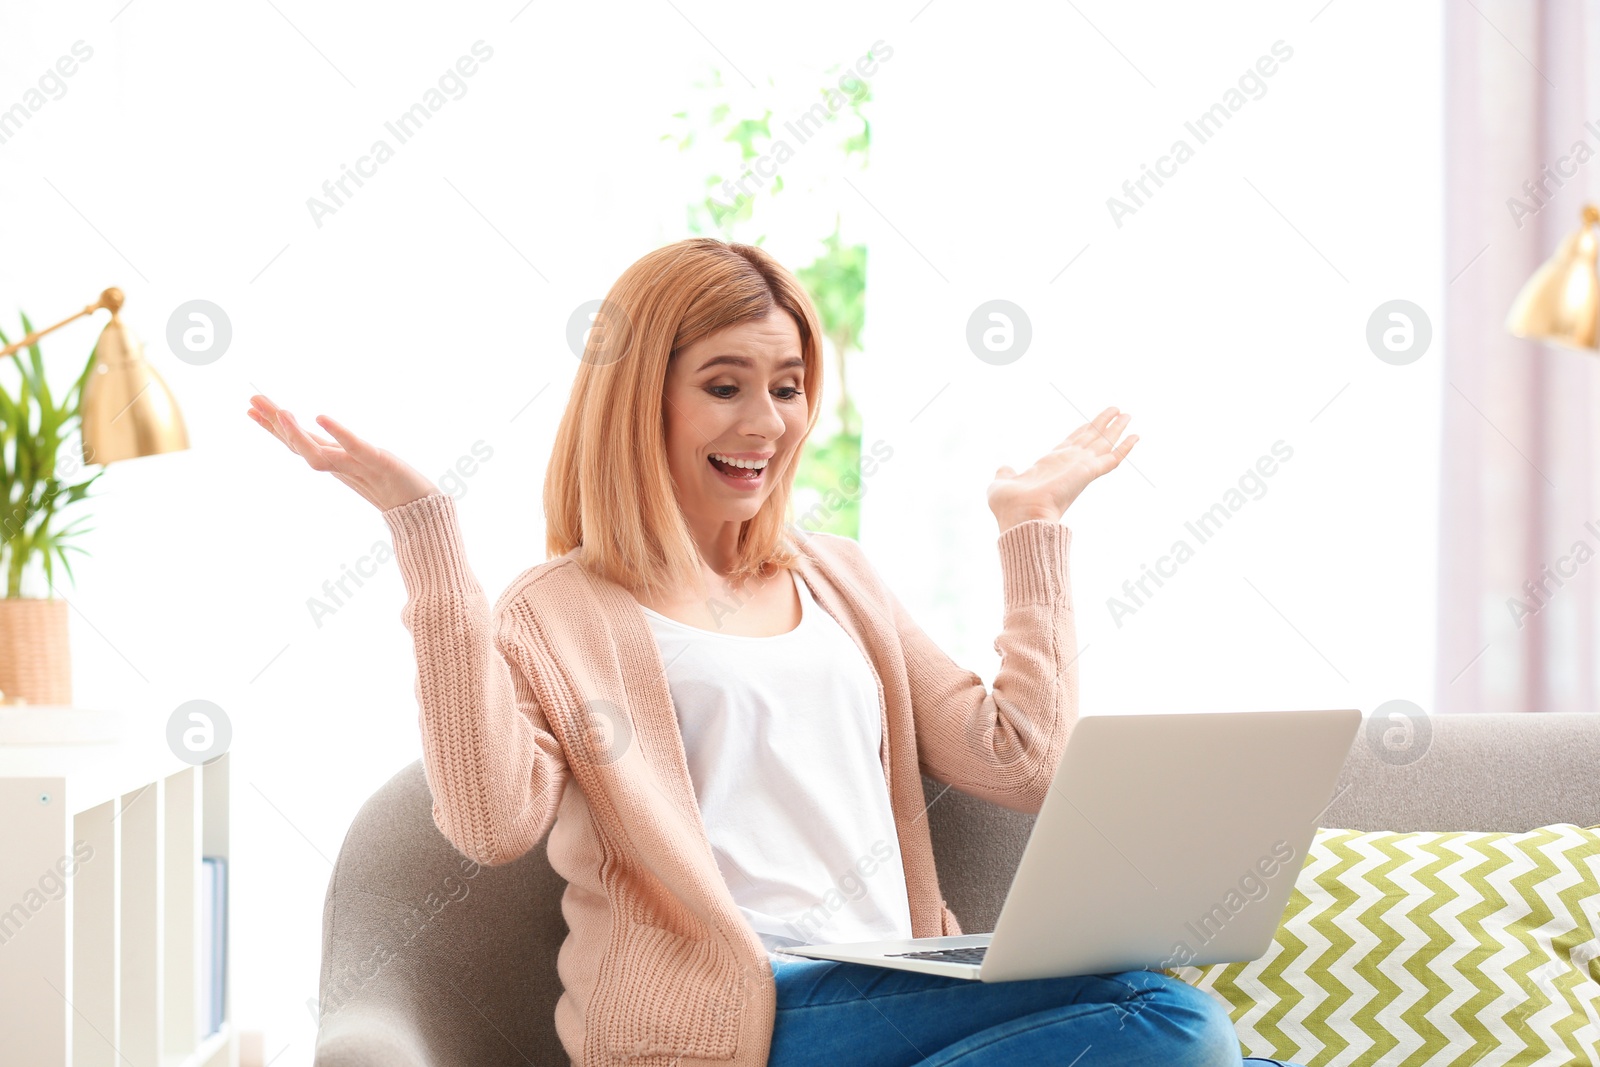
x,y
721,718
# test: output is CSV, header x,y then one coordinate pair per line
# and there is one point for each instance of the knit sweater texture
x,y
549,712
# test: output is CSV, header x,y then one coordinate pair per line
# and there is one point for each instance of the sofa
x,y
431,961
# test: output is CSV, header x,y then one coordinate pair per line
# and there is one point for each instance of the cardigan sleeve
x,y
1003,744
495,770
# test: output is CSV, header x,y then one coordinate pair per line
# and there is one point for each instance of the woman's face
x,y
734,394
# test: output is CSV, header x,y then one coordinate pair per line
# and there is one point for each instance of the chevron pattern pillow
x,y
1428,948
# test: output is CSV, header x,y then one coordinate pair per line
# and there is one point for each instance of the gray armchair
x,y
424,966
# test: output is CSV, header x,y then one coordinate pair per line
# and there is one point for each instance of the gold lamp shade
x,y
1561,302
128,411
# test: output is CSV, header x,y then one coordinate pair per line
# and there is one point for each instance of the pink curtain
x,y
1520,526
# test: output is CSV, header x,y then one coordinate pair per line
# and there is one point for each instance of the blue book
x,y
203,979
214,938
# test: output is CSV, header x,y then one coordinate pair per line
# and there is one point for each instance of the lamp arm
x,y
111,299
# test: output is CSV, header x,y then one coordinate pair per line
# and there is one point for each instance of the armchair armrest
x,y
429,959
370,1034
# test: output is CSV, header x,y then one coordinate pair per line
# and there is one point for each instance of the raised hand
x,y
1045,490
379,476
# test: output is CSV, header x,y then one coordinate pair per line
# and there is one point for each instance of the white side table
x,y
100,890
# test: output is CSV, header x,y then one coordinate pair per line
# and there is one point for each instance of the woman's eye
x,y
716,390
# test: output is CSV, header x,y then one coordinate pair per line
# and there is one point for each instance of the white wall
x,y
1223,322
431,308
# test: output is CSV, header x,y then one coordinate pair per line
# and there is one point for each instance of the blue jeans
x,y
832,1013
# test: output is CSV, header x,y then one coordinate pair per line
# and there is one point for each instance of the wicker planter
x,y
33,651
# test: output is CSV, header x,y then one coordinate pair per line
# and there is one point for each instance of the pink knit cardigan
x,y
560,683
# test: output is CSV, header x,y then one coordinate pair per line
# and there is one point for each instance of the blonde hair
x,y
608,487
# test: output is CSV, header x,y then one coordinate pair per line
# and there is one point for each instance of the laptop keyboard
x,y
946,955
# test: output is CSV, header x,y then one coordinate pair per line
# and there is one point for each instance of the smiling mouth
x,y
742,474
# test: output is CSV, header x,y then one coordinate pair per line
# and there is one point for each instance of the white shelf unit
x,y
102,967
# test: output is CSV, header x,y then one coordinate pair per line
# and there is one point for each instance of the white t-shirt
x,y
782,736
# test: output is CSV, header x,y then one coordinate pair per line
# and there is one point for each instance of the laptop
x,y
1165,840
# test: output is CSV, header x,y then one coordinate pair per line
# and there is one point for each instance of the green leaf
x,y
32,496
61,552
745,133
40,384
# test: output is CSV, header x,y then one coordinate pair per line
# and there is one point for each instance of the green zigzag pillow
x,y
1445,949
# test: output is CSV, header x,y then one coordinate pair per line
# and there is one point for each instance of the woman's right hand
x,y
379,476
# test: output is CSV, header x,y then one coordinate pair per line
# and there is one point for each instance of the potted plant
x,y
37,485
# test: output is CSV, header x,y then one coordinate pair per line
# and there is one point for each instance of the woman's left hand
x,y
1045,490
